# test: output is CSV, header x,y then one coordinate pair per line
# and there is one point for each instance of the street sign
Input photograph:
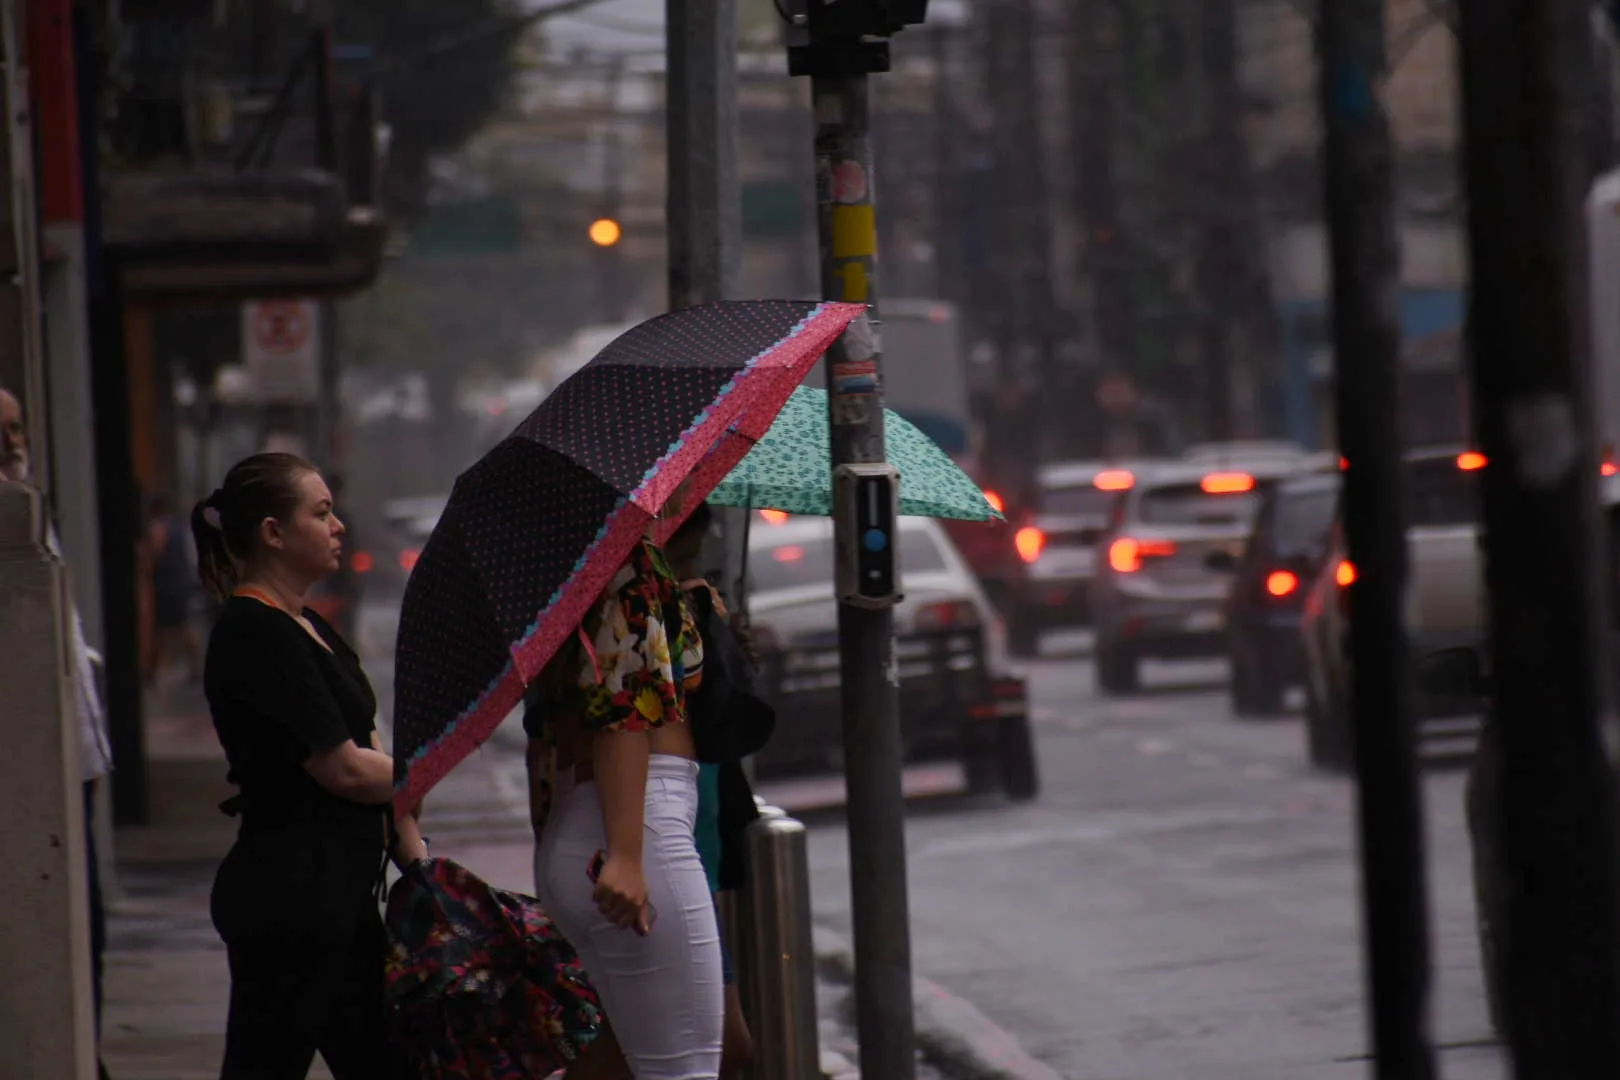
x,y
281,345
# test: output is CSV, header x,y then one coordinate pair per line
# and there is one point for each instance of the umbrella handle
x,y
742,571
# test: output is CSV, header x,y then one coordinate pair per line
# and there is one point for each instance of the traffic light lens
x,y
605,232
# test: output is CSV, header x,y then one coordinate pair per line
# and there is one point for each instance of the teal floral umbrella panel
x,y
790,469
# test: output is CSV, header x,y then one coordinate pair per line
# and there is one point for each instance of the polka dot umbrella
x,y
536,528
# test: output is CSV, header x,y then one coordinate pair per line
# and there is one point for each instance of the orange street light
x,y
605,232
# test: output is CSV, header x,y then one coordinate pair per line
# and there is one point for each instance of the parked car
x,y
1158,593
992,551
1444,593
406,525
1284,555
1059,547
1245,450
958,699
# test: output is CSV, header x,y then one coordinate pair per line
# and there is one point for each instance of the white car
x,y
958,698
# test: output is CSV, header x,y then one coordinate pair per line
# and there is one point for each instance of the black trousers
x,y
290,1001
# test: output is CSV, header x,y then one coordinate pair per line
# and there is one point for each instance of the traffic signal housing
x,y
851,20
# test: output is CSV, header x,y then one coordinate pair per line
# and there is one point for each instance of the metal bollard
x,y
781,987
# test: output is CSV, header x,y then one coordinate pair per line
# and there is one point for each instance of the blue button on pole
x,y
875,540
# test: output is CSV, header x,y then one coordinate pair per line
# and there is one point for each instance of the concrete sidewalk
x,y
167,984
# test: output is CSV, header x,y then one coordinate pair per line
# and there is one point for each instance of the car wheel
x,y
1327,734
1253,692
1023,636
1118,671
1015,751
981,766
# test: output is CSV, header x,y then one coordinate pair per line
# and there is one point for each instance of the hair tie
x,y
211,515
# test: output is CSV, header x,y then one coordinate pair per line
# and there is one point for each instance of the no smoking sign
x,y
281,326
280,348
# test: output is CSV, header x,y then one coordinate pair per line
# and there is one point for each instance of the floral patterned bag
x,y
481,985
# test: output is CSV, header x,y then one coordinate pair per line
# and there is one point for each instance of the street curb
x,y
956,1037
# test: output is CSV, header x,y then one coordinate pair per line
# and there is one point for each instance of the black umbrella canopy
x,y
536,528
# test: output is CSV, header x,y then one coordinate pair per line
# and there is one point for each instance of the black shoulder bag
x,y
729,719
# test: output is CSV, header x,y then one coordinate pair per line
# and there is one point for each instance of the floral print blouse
x,y
632,676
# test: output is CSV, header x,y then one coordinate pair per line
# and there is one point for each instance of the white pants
x,y
663,993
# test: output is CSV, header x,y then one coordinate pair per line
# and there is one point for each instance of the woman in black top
x,y
296,898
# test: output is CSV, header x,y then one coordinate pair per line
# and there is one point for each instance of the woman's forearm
x,y
620,760
408,843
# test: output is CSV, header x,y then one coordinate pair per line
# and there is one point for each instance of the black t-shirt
x,y
277,697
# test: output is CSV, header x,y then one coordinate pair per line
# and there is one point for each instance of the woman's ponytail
x,y
214,564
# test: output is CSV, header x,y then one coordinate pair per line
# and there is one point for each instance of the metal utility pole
x,y
1526,79
839,47
1223,264
1024,229
1109,257
47,1022
705,195
1358,164
704,202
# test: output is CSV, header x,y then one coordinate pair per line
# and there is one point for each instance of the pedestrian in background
x,y
719,838
95,748
168,567
296,899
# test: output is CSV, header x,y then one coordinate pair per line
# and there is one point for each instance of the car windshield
x,y
1303,521
1439,493
1079,501
810,562
1190,504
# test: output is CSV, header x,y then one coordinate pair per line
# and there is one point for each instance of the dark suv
x,y
1284,555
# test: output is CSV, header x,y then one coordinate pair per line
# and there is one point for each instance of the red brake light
x,y
947,615
407,559
1610,468
361,562
996,502
1114,480
1345,575
1125,555
1281,583
1344,463
1030,542
791,553
774,517
1227,483
1470,461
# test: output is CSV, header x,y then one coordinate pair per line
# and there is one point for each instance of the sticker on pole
x,y
281,349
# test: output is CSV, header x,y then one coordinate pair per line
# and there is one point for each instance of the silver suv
x,y
1162,582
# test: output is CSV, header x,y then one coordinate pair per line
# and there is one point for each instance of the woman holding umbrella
x,y
617,865
543,581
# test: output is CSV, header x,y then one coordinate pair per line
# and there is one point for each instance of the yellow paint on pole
x,y
857,287
854,231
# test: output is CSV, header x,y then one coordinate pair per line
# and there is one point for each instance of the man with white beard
x,y
95,748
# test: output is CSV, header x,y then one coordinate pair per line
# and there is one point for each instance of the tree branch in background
x,y
443,71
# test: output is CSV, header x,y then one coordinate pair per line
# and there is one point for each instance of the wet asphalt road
x,y
1181,900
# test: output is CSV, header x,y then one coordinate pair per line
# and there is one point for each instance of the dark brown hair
x,y
698,521
225,526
